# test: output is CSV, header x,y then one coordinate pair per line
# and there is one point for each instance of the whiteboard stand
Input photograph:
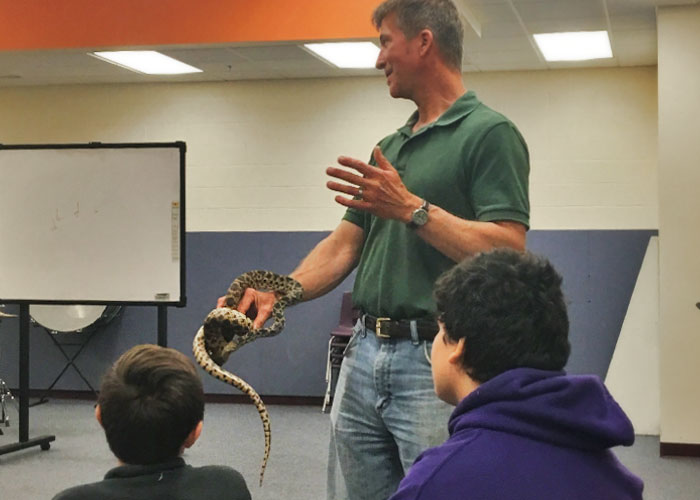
x,y
162,325
24,440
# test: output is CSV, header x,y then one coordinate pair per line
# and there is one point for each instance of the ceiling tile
x,y
638,38
272,53
200,55
638,21
616,7
497,12
532,11
498,29
564,25
498,44
486,58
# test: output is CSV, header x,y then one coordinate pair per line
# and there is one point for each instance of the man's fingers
x,y
380,159
343,188
221,302
344,175
246,301
353,203
263,313
358,165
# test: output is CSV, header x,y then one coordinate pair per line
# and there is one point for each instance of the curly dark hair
x,y
509,308
150,400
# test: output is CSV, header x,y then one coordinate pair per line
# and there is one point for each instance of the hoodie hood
x,y
568,411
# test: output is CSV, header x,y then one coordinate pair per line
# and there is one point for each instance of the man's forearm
x,y
458,238
330,261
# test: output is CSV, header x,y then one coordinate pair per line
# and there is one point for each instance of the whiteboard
x,y
92,223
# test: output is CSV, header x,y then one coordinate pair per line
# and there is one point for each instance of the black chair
x,y
340,336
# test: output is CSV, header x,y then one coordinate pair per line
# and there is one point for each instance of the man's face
x,y
398,58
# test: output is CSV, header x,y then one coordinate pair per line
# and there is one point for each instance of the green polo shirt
x,y
472,162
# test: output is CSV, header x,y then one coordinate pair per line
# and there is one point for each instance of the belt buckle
x,y
378,328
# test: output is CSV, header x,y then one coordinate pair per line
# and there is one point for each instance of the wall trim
x,y
679,449
208,398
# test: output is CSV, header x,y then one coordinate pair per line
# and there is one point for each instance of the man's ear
x,y
194,435
455,357
98,414
426,41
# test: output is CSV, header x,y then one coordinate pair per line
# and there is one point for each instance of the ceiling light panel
x,y
149,62
574,46
346,54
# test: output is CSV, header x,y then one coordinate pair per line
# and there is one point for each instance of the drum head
x,y
72,318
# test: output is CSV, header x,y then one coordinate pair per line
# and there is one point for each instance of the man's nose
x,y
380,61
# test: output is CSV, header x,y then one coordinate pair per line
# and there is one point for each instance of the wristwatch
x,y
419,216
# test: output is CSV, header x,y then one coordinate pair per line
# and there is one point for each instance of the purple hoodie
x,y
529,434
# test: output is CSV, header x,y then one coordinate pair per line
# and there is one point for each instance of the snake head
x,y
225,330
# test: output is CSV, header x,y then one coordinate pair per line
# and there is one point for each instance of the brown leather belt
x,y
400,329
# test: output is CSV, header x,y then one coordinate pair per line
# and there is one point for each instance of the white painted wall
x,y
679,224
257,150
633,375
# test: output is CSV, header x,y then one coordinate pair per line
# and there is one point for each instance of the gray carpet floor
x,y
233,436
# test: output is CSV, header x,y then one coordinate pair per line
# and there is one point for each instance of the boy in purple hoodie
x,y
522,429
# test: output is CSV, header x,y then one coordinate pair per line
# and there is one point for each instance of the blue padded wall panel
x,y
599,268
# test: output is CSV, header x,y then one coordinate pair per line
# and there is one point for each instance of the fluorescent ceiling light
x,y
147,61
574,46
346,54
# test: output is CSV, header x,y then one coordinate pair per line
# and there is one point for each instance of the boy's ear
x,y
455,357
98,414
194,435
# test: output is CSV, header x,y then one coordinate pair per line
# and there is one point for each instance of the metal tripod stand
x,y
5,396
5,393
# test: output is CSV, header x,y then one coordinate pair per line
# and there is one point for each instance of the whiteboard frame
x,y
181,301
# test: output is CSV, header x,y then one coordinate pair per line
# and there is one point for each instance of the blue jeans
x,y
384,414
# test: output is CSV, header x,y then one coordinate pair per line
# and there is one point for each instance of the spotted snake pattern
x,y
225,330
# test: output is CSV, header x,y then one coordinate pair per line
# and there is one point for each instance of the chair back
x,y
347,315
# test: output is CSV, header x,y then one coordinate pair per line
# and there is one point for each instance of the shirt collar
x,y
142,470
464,105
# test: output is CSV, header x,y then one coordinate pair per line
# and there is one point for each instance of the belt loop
x,y
363,328
414,332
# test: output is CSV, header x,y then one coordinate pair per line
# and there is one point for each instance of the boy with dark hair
x,y
151,406
522,428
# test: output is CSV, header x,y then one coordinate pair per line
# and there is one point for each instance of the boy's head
x,y
498,311
151,405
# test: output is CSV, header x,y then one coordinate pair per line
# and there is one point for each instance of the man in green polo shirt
x,y
451,183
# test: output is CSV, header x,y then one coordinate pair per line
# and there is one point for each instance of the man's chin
x,y
395,92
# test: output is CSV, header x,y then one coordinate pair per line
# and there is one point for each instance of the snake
x,y
225,330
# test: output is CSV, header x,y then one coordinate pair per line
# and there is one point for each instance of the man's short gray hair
x,y
439,16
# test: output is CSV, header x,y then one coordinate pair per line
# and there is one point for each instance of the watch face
x,y
420,217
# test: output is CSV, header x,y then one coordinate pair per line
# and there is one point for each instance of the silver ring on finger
x,y
359,193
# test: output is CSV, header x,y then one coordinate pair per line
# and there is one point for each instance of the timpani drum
x,y
76,318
